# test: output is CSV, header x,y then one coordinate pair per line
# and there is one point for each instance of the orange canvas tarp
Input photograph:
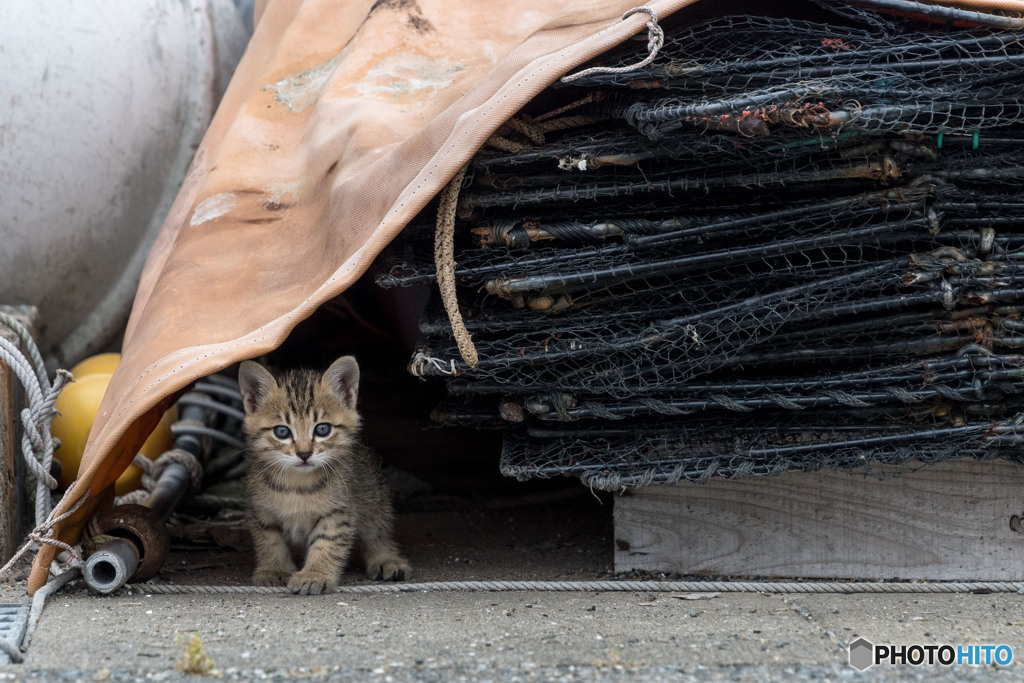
x,y
344,118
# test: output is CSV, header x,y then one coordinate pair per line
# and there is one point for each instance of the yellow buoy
x,y
78,404
100,364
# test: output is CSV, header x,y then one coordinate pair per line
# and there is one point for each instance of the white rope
x,y
37,445
655,41
39,599
613,586
152,469
420,360
12,651
30,346
44,533
36,441
136,497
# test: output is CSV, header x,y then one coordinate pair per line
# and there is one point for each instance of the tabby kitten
x,y
314,489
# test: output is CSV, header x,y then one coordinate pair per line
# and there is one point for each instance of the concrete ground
x,y
459,520
501,636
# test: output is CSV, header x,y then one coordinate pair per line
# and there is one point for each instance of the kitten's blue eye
x,y
282,432
322,429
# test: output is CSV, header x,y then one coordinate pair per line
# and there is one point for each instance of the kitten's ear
x,y
255,383
343,379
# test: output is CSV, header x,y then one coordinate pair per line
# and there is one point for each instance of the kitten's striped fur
x,y
314,489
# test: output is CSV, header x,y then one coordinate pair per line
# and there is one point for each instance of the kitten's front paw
x,y
270,577
310,583
389,569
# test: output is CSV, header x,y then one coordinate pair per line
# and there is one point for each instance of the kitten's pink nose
x,y
304,455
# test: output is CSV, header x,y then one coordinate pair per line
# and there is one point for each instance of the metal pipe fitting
x,y
111,566
144,528
140,540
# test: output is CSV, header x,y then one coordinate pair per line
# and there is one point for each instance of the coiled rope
x,y
843,587
36,441
655,41
37,446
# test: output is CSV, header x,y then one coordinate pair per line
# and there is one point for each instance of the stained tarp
x,y
344,118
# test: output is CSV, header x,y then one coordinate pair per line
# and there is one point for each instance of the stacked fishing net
x,y
784,244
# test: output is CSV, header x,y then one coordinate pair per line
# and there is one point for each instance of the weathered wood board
x,y
955,520
12,400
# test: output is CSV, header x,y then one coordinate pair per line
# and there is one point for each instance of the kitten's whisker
x,y
279,473
335,466
339,465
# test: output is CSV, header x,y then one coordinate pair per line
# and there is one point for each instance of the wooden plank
x,y
13,509
955,520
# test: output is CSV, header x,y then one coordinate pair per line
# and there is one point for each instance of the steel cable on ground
x,y
842,587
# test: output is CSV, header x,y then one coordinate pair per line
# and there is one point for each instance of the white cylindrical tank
x,y
103,105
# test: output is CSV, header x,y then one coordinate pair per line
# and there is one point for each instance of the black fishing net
x,y
787,243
